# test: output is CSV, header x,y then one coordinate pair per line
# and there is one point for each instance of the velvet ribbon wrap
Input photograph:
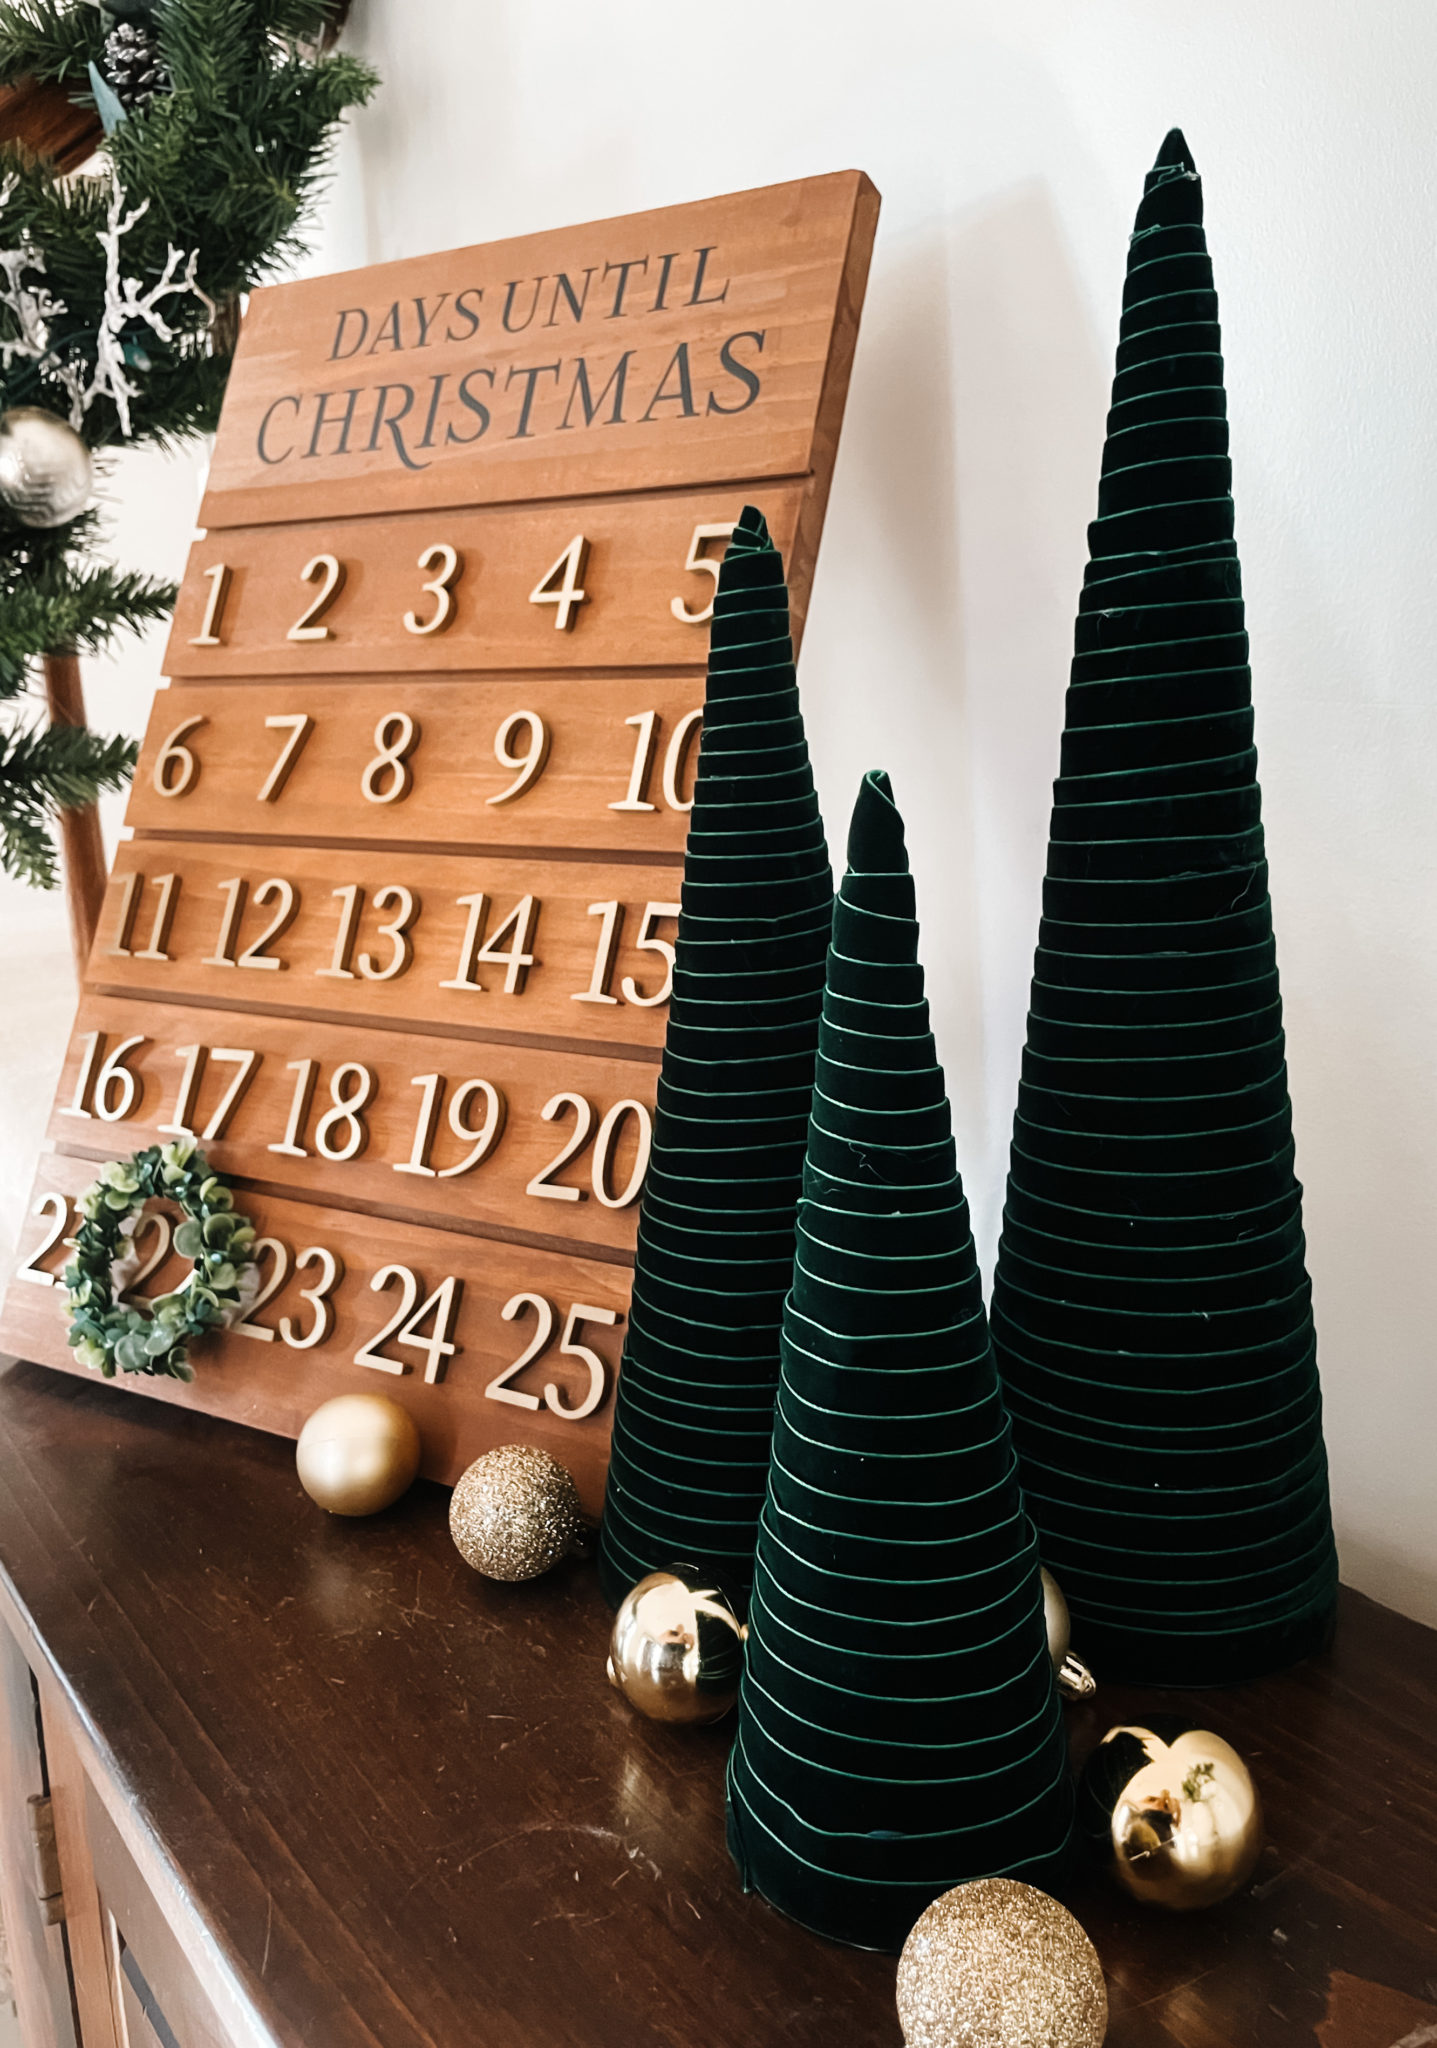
x,y
694,1407
1152,1314
899,1728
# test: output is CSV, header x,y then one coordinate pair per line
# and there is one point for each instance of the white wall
x,y
1009,139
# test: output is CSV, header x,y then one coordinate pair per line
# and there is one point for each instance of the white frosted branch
x,y
37,311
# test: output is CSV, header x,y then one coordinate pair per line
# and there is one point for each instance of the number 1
x,y
219,582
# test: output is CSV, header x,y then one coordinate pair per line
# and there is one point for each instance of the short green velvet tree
x,y
694,1409
1152,1314
899,1727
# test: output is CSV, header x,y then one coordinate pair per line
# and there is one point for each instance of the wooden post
x,y
80,841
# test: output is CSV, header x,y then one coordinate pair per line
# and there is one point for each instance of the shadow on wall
x,y
1030,401
889,576
956,541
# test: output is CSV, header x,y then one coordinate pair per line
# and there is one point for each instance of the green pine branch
x,y
226,163
67,605
49,42
43,771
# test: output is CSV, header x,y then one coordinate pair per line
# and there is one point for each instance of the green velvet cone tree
x,y
694,1409
899,1727
1152,1314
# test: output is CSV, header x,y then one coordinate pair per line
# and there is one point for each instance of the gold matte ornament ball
x,y
1173,1812
515,1513
677,1647
357,1454
46,474
996,1964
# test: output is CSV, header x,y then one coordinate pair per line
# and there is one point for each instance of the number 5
x,y
647,942
706,565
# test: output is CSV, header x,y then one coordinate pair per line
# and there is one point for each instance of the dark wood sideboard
x,y
312,1781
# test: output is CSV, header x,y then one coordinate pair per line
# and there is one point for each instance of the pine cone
x,y
134,66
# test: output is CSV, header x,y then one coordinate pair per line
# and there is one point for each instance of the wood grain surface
x,y
393,928
464,367
456,797
239,1096
277,1385
410,1812
634,572
549,998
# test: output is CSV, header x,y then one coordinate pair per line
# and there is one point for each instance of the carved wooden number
x,y
392,933
176,770
441,588
131,889
328,572
218,578
561,585
54,1211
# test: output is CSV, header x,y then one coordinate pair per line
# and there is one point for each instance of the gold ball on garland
x,y
1173,1812
357,1454
996,1964
515,1513
46,474
676,1651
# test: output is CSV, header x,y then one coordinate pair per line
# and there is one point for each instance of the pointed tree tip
x,y
751,534
875,838
1175,154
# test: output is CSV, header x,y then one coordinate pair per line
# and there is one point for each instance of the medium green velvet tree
x,y
899,1726
1152,1314
694,1409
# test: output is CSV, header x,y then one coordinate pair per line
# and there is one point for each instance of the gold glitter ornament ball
x,y
357,1454
996,1964
515,1513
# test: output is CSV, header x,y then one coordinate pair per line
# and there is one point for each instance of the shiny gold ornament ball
x,y
357,1454
515,1513
1075,1681
676,1651
46,474
996,1964
1173,1812
1056,1617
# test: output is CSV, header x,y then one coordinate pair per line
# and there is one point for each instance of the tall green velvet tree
x,y
694,1409
1152,1313
899,1728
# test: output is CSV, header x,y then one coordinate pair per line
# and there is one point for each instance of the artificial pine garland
x,y
119,291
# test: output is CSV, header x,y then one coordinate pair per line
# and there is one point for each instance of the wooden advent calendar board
x,y
394,930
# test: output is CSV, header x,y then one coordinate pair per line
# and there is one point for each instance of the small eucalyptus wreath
x,y
112,1336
